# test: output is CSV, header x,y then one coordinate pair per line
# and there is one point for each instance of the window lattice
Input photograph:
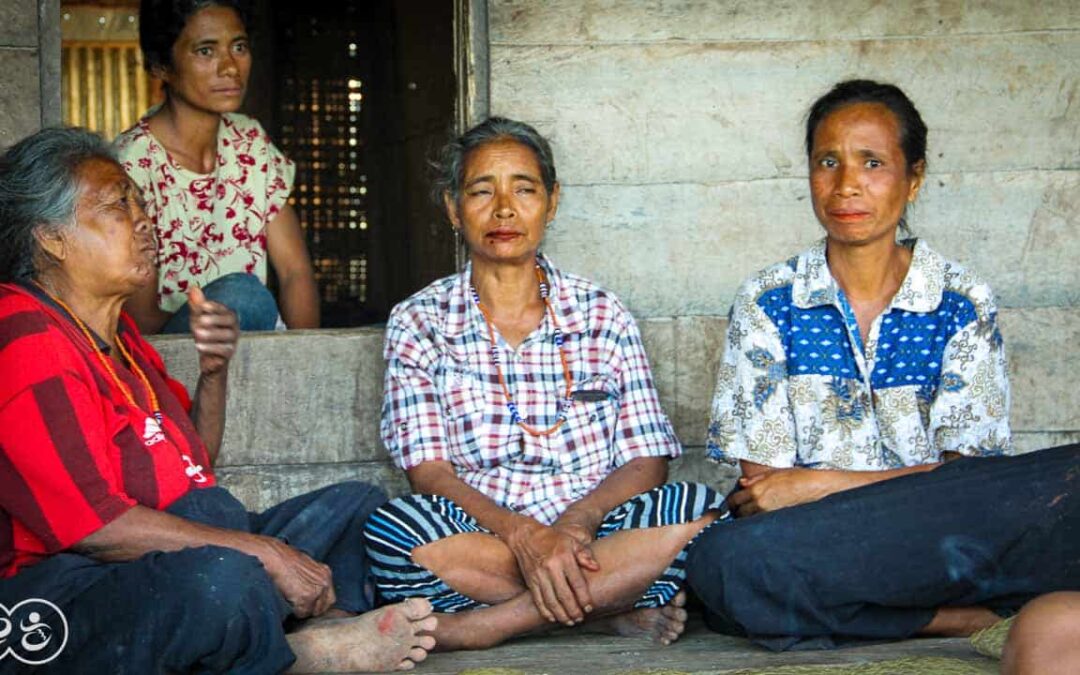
x,y
321,133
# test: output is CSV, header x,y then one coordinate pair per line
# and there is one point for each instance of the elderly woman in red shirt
x,y
112,530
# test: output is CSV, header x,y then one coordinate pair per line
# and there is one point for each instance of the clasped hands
x,y
553,560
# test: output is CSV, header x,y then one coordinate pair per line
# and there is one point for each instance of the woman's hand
x,y
780,488
307,585
551,561
215,329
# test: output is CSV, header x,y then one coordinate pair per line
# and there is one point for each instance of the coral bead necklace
x,y
105,361
557,338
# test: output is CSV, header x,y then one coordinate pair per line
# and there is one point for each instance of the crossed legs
x,y
480,566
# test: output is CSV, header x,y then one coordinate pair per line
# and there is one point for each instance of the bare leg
x,y
629,562
1045,638
385,639
959,621
476,564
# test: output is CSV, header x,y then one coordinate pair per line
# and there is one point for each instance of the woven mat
x,y
991,641
915,665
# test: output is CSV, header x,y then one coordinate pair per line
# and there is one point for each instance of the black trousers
x,y
876,562
203,610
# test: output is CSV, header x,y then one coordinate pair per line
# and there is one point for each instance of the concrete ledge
x,y
304,406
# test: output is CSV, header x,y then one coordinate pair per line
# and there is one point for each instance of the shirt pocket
x,y
470,437
585,444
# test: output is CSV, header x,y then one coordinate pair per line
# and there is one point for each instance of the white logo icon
x,y
34,631
152,434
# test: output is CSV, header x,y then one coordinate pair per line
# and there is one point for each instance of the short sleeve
x,y
970,413
751,416
133,151
57,479
280,174
412,419
642,429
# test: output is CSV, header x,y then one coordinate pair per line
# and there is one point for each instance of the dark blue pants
x,y
244,294
876,562
201,610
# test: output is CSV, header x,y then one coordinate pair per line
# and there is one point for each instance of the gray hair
x,y
449,169
38,188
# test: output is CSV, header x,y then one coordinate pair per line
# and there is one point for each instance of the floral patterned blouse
x,y
208,225
797,387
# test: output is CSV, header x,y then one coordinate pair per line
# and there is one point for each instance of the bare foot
x,y
959,621
328,615
383,640
663,624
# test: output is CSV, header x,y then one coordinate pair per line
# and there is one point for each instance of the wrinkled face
x,y
504,207
111,248
210,61
859,179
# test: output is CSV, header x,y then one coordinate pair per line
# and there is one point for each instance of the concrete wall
x,y
677,127
29,67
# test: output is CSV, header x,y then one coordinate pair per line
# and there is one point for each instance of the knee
x,y
356,495
1045,638
254,304
214,583
723,563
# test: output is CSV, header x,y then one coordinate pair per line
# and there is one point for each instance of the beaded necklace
x,y
557,338
191,469
105,361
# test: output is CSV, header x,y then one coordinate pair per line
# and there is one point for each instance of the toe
x,y
406,665
417,608
426,642
426,625
416,654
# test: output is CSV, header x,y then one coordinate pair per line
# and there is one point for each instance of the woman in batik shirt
x,y
854,374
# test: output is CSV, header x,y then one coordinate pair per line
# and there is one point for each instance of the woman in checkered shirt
x,y
520,402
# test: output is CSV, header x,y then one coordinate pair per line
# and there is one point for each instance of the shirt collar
x,y
920,291
462,315
47,300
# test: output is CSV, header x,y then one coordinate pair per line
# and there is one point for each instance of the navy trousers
x,y
202,610
876,562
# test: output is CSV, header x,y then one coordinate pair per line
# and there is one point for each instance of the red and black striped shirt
x,y
74,453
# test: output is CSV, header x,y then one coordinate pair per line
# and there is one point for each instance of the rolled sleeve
x,y
970,413
642,428
58,481
412,418
751,416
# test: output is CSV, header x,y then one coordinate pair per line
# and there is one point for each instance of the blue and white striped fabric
x,y
406,523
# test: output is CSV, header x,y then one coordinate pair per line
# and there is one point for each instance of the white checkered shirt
x,y
443,399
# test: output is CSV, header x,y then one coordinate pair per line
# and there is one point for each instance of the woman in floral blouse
x,y
861,360
215,186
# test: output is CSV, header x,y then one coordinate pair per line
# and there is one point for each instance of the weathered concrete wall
x,y
677,127
29,67
303,409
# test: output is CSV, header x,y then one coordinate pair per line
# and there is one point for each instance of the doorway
x,y
360,95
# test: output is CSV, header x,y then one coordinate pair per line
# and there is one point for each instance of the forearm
x,y
439,478
840,480
633,478
300,299
208,410
141,530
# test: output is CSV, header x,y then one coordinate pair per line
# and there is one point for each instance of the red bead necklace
x,y
557,338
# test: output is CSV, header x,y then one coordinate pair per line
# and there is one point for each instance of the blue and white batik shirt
x,y
797,387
